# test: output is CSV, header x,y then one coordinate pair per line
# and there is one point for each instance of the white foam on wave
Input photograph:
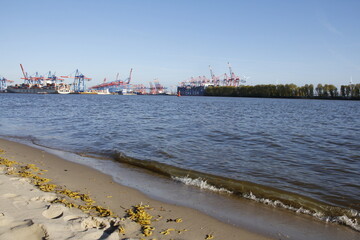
x,y
201,183
344,220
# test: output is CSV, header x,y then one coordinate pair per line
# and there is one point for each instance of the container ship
x,y
196,86
49,88
50,84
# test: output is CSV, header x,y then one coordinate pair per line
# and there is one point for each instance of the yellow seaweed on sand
x,y
147,230
167,231
86,198
209,236
32,167
103,212
65,202
69,193
47,187
177,220
121,229
7,162
139,215
39,180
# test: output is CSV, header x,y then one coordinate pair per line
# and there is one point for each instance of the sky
x,y
269,42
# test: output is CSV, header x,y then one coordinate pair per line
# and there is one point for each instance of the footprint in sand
x,y
75,225
27,230
94,222
71,218
44,198
9,195
20,204
54,211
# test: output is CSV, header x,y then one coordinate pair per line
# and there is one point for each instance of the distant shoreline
x,y
308,98
290,91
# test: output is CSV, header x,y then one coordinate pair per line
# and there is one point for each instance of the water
x,y
302,155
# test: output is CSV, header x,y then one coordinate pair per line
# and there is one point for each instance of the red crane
x,y
27,80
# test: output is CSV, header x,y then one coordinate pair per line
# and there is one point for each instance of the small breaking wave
x,y
344,219
350,220
260,193
202,184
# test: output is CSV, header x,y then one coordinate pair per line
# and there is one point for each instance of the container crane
x,y
126,83
115,86
79,81
152,89
139,89
129,78
234,80
37,79
159,89
3,83
214,80
27,79
54,79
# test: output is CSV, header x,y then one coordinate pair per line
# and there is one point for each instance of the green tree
x,y
332,90
342,91
319,90
311,91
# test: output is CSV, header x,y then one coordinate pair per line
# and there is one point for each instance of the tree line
x,y
327,91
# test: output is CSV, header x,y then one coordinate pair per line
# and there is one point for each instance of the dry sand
x,y
26,212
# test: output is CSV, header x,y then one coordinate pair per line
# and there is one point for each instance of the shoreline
x,y
103,190
225,217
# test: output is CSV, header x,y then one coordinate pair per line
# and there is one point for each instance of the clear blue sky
x,y
278,41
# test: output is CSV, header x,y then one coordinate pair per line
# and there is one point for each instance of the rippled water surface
x,y
310,147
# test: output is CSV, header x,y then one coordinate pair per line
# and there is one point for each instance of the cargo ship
x,y
189,90
40,85
61,88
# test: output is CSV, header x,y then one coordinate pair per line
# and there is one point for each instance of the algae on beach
x,y
139,213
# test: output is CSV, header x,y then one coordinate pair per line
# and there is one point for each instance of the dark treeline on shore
x,y
326,91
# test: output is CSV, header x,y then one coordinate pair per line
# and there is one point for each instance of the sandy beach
x,y
45,197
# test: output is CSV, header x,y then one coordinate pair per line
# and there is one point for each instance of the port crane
x,y
139,89
119,85
27,79
116,85
222,80
156,87
234,80
159,89
79,81
3,83
37,79
53,78
214,80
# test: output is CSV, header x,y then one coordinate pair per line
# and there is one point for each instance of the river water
x,y
303,155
